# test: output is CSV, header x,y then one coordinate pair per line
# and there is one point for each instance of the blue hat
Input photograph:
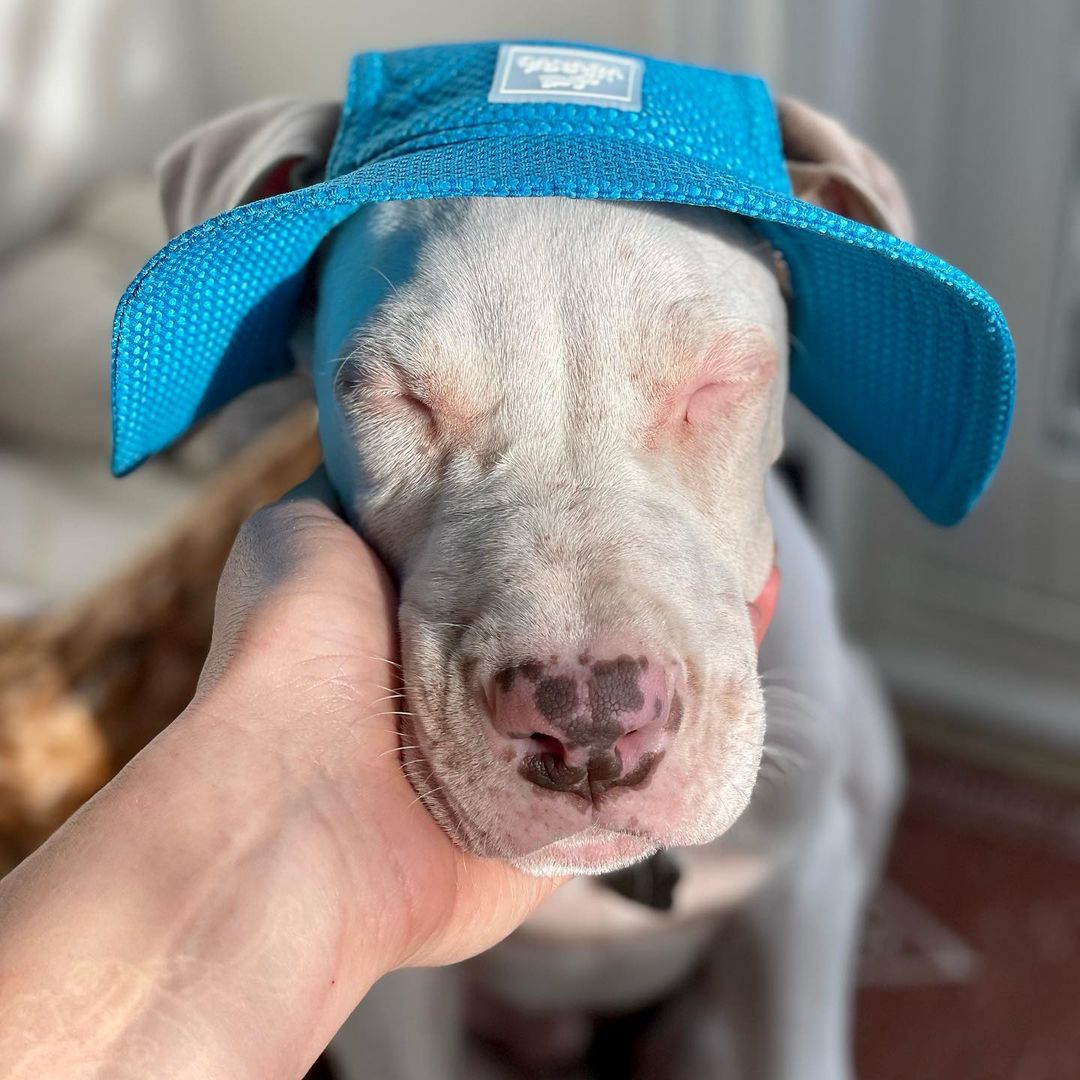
x,y
901,354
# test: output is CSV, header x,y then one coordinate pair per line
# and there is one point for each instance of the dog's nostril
x,y
631,746
549,768
548,744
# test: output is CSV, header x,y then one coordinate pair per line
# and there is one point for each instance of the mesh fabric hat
x,y
901,354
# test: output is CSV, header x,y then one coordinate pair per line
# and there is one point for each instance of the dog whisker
x,y
381,659
395,750
787,695
388,697
387,712
424,795
779,755
781,674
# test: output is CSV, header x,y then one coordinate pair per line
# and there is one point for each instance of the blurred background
x,y
105,587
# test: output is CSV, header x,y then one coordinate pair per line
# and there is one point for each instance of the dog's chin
x,y
592,851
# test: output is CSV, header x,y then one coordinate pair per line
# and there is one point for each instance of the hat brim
x,y
902,355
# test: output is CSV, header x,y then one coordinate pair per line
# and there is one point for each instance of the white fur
x,y
561,495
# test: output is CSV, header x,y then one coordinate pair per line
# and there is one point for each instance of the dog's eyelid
x,y
407,395
371,368
739,354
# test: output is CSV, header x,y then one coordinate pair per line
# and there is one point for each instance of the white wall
x,y
256,48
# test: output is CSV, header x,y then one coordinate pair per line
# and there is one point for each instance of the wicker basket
x,y
84,688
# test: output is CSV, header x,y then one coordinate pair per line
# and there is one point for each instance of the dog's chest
x,y
590,948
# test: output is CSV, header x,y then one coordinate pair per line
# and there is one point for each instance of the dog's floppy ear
x,y
251,153
829,167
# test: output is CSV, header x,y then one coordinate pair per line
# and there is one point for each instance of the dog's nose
x,y
585,723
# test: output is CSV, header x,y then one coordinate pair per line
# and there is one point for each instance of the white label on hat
x,y
531,73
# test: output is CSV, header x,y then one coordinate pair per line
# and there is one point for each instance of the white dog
x,y
555,419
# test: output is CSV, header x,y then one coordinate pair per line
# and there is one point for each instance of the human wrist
x,y
187,898
285,790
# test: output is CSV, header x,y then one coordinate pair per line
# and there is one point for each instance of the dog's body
x,y
754,963
535,528
555,420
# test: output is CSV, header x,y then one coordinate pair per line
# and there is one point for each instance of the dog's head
x,y
553,419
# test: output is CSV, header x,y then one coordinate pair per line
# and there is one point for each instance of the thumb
x,y
291,547
316,488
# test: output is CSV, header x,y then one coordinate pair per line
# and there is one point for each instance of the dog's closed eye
x,y
733,372
370,382
404,405
410,406
704,403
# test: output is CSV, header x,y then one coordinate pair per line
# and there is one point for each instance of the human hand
x,y
222,905
303,670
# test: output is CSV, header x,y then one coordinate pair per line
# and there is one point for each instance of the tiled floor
x,y
972,965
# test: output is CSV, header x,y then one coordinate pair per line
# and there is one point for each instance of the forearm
x,y
220,907
192,920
